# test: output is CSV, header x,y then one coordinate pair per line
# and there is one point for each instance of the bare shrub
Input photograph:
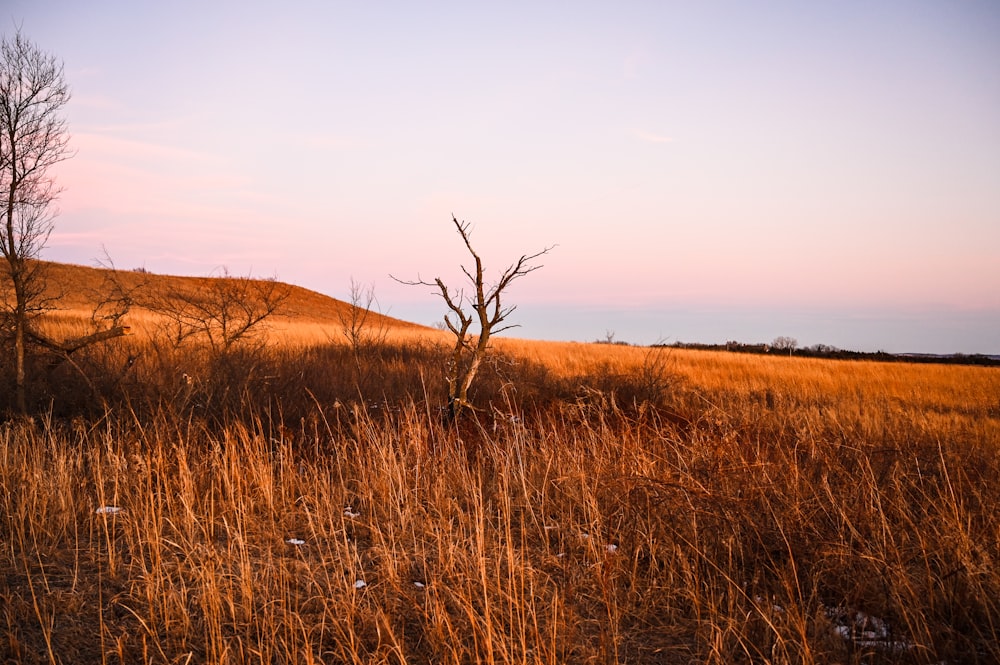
x,y
230,310
362,323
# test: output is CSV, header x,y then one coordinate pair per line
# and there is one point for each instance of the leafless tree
x,y
362,323
366,331
33,138
115,298
230,310
785,344
483,307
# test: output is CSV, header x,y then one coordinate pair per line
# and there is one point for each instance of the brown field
x,y
300,499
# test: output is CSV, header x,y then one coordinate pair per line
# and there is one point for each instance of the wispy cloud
x,y
649,137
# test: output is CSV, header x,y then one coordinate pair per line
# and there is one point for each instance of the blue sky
x,y
708,171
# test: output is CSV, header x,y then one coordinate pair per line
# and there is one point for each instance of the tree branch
x,y
70,346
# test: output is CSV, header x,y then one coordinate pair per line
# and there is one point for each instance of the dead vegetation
x,y
603,505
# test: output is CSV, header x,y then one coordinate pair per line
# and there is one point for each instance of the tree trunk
x,y
19,389
17,274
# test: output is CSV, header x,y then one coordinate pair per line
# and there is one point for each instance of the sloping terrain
x,y
75,291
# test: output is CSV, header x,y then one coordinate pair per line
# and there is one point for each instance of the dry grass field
x,y
301,499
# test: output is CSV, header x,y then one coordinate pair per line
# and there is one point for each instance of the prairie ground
x,y
300,498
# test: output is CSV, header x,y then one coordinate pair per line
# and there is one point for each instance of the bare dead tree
x,y
482,307
230,310
33,138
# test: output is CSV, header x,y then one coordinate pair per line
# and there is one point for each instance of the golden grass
x,y
725,549
746,509
76,290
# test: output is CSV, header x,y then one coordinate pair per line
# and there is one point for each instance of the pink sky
x,y
788,159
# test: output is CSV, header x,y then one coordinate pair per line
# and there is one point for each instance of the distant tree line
x,y
833,353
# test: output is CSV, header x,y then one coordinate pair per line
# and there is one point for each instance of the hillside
x,y
76,290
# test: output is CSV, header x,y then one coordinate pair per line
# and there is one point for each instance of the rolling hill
x,y
76,290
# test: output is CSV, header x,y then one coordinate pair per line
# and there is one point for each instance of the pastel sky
x,y
707,170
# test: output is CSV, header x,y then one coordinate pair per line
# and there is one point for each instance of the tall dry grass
x,y
606,504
